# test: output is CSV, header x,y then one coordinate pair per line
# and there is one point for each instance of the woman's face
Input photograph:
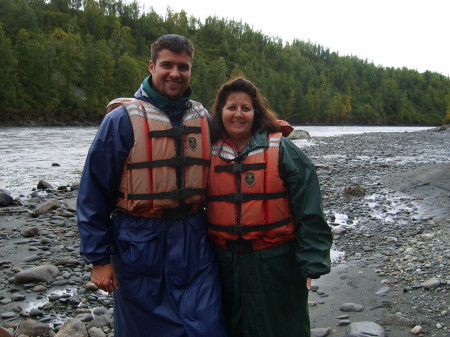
x,y
237,116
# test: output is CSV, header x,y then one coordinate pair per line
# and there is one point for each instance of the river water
x,y
29,154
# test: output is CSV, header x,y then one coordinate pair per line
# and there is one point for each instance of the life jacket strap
x,y
243,229
241,197
177,194
239,167
175,161
175,131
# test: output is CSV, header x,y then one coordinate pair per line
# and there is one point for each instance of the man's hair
x,y
175,43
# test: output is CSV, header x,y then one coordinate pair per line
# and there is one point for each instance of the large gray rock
x,y
43,185
299,134
45,273
45,207
5,198
365,329
73,328
33,328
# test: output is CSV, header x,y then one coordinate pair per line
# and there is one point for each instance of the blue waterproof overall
x,y
168,278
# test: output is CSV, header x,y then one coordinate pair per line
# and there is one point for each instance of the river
x,y
57,154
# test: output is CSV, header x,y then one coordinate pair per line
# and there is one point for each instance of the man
x,y
140,205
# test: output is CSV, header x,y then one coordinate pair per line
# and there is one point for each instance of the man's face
x,y
171,73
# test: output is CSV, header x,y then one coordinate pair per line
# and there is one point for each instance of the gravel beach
x,y
386,197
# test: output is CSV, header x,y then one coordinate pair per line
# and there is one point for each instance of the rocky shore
x,y
386,196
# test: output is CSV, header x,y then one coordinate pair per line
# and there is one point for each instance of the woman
x,y
265,217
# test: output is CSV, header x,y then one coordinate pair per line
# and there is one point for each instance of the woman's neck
x,y
240,142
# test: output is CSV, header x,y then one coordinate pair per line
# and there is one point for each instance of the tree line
x,y
63,60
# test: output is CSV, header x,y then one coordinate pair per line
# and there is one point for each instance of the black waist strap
x,y
243,229
240,197
175,161
177,194
239,167
175,131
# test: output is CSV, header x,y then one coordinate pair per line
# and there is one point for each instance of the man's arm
x,y
99,186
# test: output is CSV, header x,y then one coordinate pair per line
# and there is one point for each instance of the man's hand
x,y
104,277
308,283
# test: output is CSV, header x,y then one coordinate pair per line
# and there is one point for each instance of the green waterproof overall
x,y
264,294
264,291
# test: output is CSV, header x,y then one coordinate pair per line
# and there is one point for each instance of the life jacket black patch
x,y
192,143
250,178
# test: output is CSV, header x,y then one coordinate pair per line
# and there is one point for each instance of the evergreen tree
x,y
63,60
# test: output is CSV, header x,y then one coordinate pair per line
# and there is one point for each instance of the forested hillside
x,y
63,60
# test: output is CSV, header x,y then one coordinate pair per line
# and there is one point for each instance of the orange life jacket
x,y
149,178
248,199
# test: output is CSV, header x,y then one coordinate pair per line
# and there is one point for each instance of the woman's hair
x,y
264,118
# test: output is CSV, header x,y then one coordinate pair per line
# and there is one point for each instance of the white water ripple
x,y
28,153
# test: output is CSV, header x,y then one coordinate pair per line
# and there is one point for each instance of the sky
x,y
390,33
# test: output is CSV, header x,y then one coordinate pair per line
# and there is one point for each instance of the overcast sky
x,y
391,33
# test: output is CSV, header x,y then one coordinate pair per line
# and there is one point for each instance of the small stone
x,y
349,307
398,319
91,286
54,297
431,283
6,301
18,297
8,314
30,232
36,312
416,330
343,322
85,317
96,332
383,291
363,329
39,288
343,317
320,332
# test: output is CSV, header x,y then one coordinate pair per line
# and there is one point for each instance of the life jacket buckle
x,y
237,229
237,167
238,197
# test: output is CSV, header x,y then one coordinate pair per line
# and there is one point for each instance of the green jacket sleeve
x,y
313,232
